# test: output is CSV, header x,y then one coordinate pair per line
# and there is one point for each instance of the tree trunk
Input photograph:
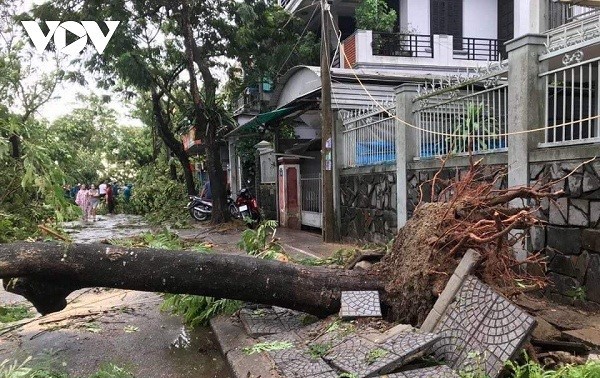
x,y
48,272
208,127
173,145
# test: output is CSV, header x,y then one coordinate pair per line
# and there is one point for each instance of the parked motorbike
x,y
247,207
200,208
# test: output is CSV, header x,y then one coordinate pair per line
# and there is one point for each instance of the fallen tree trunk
x,y
45,273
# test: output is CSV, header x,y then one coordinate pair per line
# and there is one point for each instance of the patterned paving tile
x,y
481,328
441,371
360,304
261,321
362,357
297,361
300,364
410,345
267,321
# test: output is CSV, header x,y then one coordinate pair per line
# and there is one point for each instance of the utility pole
x,y
328,226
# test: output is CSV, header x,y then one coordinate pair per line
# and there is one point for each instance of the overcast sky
x,y
68,96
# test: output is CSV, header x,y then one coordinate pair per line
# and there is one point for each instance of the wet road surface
x,y
122,327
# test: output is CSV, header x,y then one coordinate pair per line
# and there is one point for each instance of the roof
x,y
350,88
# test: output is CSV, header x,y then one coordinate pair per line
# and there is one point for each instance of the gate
x,y
311,187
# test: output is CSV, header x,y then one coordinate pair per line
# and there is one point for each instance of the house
x,y
430,64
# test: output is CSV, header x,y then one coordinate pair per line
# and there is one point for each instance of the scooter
x,y
247,207
200,208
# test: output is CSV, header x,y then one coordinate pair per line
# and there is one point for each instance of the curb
x,y
232,339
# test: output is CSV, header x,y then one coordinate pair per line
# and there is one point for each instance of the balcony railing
x,y
407,45
481,49
561,14
572,35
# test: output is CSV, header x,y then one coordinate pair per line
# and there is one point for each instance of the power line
x,y
297,42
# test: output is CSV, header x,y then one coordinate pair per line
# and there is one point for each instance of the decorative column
x,y
525,104
288,177
526,97
531,17
407,141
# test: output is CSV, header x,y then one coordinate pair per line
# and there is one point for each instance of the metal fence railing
x,y
576,29
464,118
311,188
369,137
572,101
481,49
398,44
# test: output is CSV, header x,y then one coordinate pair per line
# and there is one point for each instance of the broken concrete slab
x,y
456,281
263,321
481,323
544,330
588,336
440,371
364,358
358,304
361,357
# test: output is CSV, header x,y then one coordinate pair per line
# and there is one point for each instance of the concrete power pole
x,y
328,226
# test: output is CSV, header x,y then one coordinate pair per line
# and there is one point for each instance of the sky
x,y
68,96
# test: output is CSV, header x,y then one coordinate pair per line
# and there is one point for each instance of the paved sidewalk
x,y
298,243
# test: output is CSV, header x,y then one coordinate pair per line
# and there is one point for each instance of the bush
x,y
157,197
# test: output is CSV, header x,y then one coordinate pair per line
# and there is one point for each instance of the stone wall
x,y
368,205
419,182
267,201
571,238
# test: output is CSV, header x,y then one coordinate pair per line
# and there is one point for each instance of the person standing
x,y
94,201
110,199
127,192
102,189
83,201
206,193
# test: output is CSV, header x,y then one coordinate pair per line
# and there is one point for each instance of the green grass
x,y
9,314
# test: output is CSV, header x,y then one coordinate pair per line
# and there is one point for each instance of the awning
x,y
264,118
584,3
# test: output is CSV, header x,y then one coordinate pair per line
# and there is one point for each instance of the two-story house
x,y
438,43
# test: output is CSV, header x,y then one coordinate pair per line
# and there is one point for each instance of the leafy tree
x,y
267,42
156,42
375,15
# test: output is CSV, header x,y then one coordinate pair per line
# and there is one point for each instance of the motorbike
x,y
247,207
200,208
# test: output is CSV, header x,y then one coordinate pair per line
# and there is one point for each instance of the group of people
x,y
88,199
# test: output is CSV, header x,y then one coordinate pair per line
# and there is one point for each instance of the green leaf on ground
x,y
267,346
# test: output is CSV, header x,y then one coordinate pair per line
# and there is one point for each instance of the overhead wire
x,y
298,41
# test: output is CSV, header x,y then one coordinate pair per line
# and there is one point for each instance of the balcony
x,y
368,49
578,31
251,102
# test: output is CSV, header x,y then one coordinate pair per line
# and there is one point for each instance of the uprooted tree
x,y
472,211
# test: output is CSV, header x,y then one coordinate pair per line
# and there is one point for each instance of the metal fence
x,y
480,49
369,137
572,101
397,44
311,188
459,119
